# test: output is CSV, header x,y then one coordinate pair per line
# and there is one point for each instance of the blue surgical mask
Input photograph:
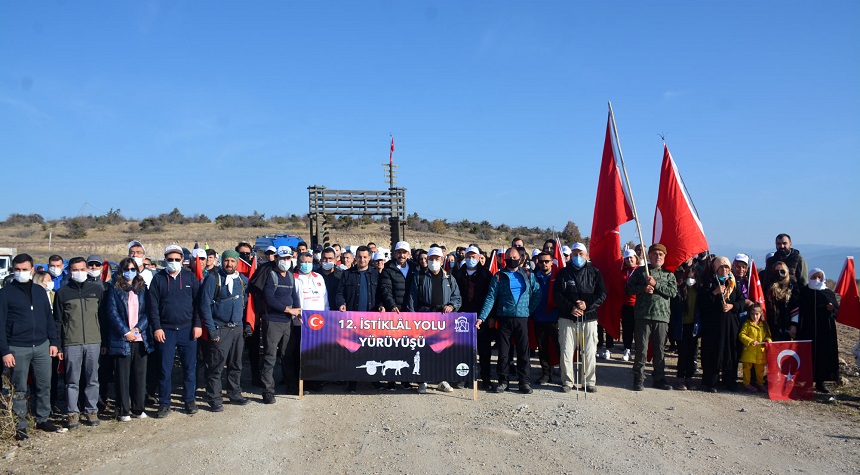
x,y
129,274
306,267
578,261
722,278
471,263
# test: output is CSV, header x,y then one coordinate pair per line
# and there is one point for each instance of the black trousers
x,y
547,340
627,326
517,329
486,336
281,341
252,343
218,354
131,380
688,351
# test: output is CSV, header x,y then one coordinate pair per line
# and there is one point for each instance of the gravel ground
x,y
614,431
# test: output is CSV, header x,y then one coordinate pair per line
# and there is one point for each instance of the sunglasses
x,y
174,259
201,258
545,262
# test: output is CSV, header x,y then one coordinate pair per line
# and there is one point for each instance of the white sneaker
x,y
607,355
445,387
422,388
626,356
142,415
124,418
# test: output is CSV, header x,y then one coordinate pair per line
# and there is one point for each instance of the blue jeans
x,y
182,340
39,358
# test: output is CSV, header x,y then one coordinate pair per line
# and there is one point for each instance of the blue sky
x,y
498,109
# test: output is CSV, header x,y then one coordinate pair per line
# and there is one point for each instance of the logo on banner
x,y
462,369
461,324
316,322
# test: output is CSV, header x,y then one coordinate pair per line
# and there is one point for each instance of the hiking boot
x,y
662,384
591,389
21,435
240,401
163,411
680,385
544,379
74,421
525,388
566,389
216,408
500,388
638,386
191,407
268,398
690,384
92,419
49,426
422,388
820,387
445,387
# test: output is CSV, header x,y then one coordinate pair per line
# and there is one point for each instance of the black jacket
x,y
473,288
349,286
25,320
393,286
331,282
584,284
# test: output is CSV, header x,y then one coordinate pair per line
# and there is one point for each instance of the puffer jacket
x,y
394,286
116,321
76,311
584,284
500,289
421,289
749,333
652,306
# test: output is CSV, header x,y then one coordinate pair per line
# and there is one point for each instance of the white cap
x,y
743,258
472,249
402,245
271,249
285,251
565,250
435,251
629,253
198,253
136,243
579,246
378,256
535,252
173,248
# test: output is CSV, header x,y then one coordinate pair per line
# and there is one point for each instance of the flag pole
x,y
627,181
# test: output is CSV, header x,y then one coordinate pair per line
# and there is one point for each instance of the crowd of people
x,y
72,331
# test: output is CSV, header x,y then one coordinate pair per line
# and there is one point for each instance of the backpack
x,y
218,290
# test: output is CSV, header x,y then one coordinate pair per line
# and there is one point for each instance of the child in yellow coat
x,y
753,335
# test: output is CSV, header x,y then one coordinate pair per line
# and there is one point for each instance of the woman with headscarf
x,y
818,309
782,302
719,301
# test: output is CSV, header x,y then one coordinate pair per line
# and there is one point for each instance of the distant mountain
x,y
830,259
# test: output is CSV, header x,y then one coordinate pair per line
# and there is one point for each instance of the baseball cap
x,y
743,258
565,250
198,253
173,248
136,244
402,245
271,249
435,251
95,258
473,249
629,253
579,246
378,256
284,251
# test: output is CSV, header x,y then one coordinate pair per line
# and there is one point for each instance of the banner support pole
x,y
301,388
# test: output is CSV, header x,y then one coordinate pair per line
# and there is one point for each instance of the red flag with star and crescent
x,y
756,294
789,370
612,208
248,271
849,307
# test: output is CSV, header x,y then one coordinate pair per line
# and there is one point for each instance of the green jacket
x,y
76,311
652,306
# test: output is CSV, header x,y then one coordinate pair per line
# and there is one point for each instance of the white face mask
x,y
55,271
817,284
317,256
23,276
284,266
174,267
49,286
691,281
95,273
138,261
327,266
434,266
79,275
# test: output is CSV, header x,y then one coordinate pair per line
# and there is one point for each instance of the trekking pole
x,y
582,351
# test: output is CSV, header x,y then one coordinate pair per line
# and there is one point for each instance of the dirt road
x,y
613,431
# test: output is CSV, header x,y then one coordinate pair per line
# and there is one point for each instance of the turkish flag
x,y
105,271
756,294
789,370
494,263
557,255
676,223
612,208
248,271
391,153
849,307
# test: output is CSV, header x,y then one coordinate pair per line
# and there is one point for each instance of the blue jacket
x,y
500,289
172,299
116,321
217,306
25,320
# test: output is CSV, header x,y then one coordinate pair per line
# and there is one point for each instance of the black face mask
x,y
245,256
782,273
512,264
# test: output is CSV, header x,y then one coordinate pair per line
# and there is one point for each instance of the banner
x,y
789,370
373,346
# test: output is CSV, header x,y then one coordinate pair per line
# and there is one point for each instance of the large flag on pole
x,y
558,256
789,370
391,153
248,271
849,307
676,223
756,294
612,208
